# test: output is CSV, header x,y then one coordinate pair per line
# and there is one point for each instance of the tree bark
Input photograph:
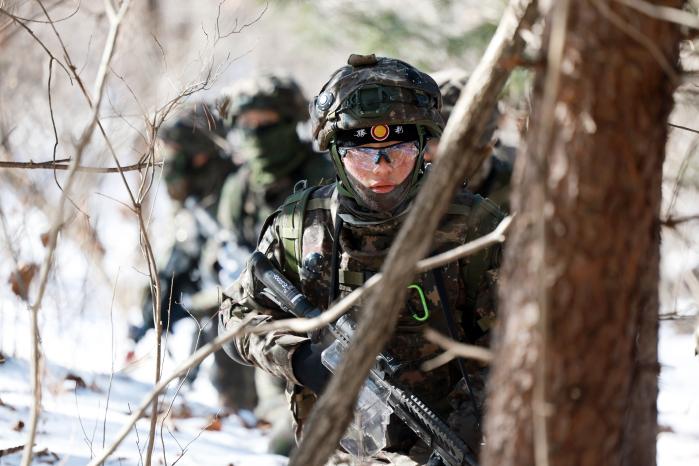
x,y
574,379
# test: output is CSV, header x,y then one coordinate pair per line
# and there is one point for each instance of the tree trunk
x,y
574,379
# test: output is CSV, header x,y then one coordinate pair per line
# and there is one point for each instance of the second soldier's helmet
x,y
269,92
196,153
372,90
451,82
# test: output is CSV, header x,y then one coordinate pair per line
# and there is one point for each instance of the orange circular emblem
x,y
380,132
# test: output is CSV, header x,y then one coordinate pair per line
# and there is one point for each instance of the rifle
x,y
231,253
448,448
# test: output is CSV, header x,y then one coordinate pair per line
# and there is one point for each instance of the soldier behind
x,y
264,114
196,166
375,117
493,178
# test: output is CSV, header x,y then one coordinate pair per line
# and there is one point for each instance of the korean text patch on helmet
x,y
376,133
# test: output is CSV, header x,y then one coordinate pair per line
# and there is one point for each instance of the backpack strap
x,y
291,217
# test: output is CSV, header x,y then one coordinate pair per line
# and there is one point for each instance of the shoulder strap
x,y
291,217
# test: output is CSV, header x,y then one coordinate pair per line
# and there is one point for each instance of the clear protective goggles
x,y
368,159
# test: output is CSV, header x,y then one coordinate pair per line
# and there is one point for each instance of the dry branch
x,y
454,349
65,165
458,155
57,224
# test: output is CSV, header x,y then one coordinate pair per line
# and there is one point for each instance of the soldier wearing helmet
x,y
196,164
374,116
264,114
494,175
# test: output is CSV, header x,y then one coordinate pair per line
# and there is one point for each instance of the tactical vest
x,y
304,223
292,214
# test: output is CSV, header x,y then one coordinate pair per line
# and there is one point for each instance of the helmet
x,y
195,153
371,90
451,82
196,130
271,92
373,93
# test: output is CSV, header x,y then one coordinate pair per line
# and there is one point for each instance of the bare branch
x,y
51,248
672,222
494,237
63,164
686,128
34,36
192,361
454,349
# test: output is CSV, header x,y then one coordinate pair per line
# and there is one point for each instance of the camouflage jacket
x,y
470,285
245,205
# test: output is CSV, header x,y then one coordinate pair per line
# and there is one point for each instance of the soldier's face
x,y
257,118
381,166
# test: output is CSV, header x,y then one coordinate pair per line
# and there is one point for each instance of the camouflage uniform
x,y
275,161
272,169
197,163
299,240
494,176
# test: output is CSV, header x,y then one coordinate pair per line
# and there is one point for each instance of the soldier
x,y
264,114
493,178
196,166
375,116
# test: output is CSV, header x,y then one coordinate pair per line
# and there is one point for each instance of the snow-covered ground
x,y
678,401
83,411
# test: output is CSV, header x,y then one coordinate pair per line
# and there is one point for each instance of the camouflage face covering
x,y
268,150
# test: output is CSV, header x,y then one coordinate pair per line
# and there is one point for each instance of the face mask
x,y
381,202
267,145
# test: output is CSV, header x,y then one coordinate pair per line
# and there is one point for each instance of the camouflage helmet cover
x,y
451,82
371,90
196,130
268,92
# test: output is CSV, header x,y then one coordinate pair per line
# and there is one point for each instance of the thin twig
x,y
686,128
51,248
193,360
59,165
671,222
454,349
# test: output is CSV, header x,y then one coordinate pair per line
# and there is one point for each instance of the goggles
x,y
368,158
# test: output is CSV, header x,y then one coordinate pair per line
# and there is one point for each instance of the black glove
x,y
308,368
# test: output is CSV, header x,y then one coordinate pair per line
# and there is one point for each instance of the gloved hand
x,y
308,368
